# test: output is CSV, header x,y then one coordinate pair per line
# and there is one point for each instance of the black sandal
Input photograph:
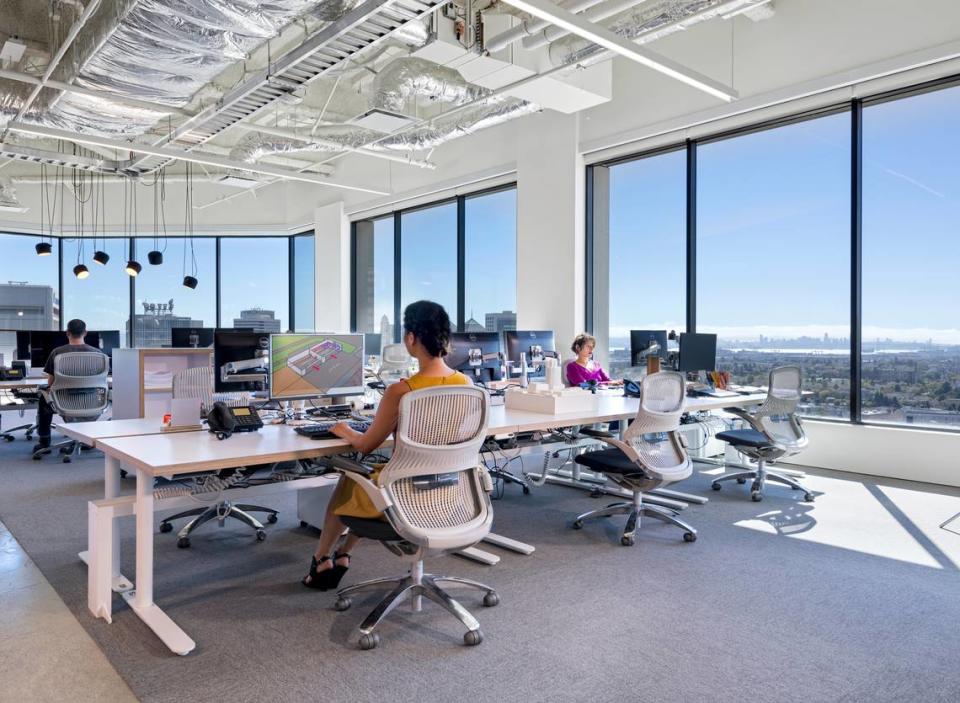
x,y
317,579
337,572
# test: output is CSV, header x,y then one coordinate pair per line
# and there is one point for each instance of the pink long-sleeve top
x,y
577,374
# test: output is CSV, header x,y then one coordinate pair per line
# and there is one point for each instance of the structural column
x,y
332,266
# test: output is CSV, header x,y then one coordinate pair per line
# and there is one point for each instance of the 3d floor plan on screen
x,y
314,364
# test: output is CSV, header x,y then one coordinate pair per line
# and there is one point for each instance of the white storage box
x,y
569,400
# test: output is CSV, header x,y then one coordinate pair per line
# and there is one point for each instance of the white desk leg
x,y
141,598
511,544
479,555
99,576
111,489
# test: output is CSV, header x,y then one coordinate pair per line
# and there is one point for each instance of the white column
x,y
332,266
550,227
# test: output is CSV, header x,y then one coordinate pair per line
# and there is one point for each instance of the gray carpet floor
x,y
855,598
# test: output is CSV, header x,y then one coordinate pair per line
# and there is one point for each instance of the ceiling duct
x,y
404,80
9,202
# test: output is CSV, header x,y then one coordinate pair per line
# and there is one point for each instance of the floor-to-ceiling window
x,y
29,288
428,256
303,285
910,344
102,299
490,261
254,283
161,301
773,255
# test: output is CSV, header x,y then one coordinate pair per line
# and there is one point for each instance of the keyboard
x,y
321,430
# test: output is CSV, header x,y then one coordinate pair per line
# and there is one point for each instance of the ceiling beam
x,y
180,155
576,24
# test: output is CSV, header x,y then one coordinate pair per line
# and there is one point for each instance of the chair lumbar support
x,y
414,586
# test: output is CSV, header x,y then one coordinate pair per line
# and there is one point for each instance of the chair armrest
x,y
359,474
599,434
747,418
344,464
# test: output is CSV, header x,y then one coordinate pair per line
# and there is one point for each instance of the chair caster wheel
x,y
756,496
183,542
9,438
526,490
28,436
715,486
66,460
491,599
741,481
577,525
272,518
689,536
261,535
596,493
37,457
369,641
808,497
627,541
472,638
342,603
166,527
304,524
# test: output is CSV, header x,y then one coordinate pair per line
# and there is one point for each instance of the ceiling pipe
x,y
532,26
55,61
594,14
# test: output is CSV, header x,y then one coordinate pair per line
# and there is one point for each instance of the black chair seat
x,y
608,461
745,438
369,528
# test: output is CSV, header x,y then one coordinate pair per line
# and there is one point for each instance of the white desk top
x,y
31,382
92,432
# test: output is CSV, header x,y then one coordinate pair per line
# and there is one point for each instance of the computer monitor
x,y
536,344
191,337
240,360
698,352
42,342
372,343
23,345
315,365
468,351
642,343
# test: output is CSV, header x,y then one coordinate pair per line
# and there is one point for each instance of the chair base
x,y
415,585
220,512
759,477
28,429
68,450
634,511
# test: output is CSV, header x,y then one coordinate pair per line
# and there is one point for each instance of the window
x,y
428,256
254,283
29,289
773,255
303,283
373,271
102,300
910,348
490,261
645,270
161,301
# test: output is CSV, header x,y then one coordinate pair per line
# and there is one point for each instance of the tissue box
x,y
569,400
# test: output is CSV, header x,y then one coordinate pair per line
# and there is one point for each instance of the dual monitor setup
x,y
484,357
696,351
35,345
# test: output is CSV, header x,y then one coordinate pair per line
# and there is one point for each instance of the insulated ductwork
x,y
163,52
8,195
332,138
646,23
408,78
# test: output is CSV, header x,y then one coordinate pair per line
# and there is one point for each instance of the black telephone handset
x,y
631,389
223,420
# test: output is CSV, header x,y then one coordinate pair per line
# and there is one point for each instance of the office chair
x,y
198,383
79,394
29,428
650,455
435,497
395,364
774,431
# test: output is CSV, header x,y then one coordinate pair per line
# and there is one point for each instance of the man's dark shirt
x,y
64,349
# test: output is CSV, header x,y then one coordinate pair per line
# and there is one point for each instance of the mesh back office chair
x,y
435,498
79,394
774,431
198,383
395,363
650,455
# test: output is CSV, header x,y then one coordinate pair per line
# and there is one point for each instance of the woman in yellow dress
x,y
426,335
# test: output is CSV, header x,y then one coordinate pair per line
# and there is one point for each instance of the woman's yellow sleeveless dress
x,y
349,498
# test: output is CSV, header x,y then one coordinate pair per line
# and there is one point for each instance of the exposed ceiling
x,y
287,88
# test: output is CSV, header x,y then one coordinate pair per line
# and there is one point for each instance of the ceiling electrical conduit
x,y
594,14
532,26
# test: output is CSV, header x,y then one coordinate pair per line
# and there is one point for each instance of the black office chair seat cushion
x,y
369,528
745,438
608,461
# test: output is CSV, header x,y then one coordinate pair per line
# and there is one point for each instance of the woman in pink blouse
x,y
584,369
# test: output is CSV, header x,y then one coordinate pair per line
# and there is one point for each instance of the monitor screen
x,y
642,343
467,350
42,342
240,360
315,365
191,337
698,352
372,343
534,343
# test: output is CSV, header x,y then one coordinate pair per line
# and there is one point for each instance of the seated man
x,y
76,330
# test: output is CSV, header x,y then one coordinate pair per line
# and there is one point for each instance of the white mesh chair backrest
x,y
198,383
79,390
432,476
652,434
395,363
778,415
